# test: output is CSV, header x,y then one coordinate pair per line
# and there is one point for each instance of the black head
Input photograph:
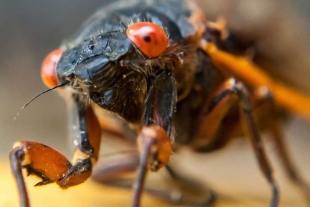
x,y
96,68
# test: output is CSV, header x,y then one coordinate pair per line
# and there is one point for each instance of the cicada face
x,y
96,70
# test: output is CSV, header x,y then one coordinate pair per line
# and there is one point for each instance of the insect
x,y
156,64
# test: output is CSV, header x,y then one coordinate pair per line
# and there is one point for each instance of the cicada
x,y
174,79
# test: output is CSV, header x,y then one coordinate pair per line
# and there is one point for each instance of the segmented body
x,y
127,82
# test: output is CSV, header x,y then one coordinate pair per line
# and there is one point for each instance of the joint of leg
x,y
244,97
86,147
160,149
20,153
77,174
264,92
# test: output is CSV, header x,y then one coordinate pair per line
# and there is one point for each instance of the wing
x,y
251,74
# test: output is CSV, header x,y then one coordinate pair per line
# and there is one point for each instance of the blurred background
x,y
29,30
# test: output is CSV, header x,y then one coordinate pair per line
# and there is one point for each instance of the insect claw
x,y
44,182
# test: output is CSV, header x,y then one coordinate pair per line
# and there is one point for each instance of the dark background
x,y
30,29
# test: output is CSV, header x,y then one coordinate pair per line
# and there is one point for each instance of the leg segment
x,y
255,139
230,93
172,188
153,140
116,171
278,140
286,161
155,149
51,166
213,114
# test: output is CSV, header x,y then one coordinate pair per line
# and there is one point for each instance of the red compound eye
x,y
48,69
150,38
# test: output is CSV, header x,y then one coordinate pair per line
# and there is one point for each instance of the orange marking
x,y
254,76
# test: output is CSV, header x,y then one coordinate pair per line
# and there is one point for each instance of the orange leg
x,y
230,93
172,188
51,166
209,137
154,138
278,140
246,71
